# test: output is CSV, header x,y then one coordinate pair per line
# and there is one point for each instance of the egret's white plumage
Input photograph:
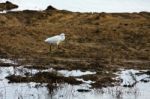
x,y
55,40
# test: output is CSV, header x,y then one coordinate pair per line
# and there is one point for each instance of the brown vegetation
x,y
44,77
94,41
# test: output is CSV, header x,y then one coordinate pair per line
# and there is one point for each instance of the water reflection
x,y
66,91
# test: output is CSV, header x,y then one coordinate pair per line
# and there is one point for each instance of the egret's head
x,y
62,34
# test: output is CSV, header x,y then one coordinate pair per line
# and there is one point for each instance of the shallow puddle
x,y
19,90
131,77
32,90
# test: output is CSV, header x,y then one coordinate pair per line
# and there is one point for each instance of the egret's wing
x,y
53,39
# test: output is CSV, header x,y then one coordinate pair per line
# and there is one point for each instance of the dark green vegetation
x,y
94,41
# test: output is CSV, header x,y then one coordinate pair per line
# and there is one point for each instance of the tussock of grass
x,y
44,77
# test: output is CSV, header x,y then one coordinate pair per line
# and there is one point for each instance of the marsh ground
x,y
101,42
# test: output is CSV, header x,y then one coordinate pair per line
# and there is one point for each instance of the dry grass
x,y
108,38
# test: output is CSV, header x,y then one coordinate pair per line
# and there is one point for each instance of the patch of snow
x,y
75,73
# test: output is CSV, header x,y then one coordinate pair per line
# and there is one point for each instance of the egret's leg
x,y
50,48
57,46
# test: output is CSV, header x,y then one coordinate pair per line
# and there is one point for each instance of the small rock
x,y
83,90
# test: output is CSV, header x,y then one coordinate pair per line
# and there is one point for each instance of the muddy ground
x,y
101,42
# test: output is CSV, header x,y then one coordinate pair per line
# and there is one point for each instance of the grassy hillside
x,y
92,39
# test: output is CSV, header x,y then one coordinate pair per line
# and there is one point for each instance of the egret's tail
x,y
45,40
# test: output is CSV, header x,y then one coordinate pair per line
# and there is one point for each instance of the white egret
x,y
55,40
